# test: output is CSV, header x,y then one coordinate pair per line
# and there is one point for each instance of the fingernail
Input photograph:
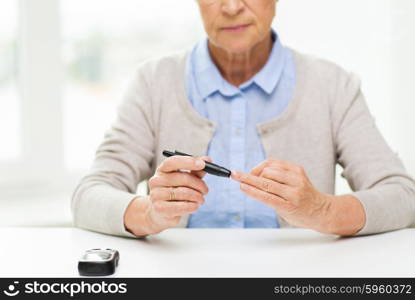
x,y
236,174
200,163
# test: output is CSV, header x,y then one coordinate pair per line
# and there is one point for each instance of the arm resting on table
x,y
375,173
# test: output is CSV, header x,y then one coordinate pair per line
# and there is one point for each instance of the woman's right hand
x,y
173,193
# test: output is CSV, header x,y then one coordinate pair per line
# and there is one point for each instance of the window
x,y
9,101
103,43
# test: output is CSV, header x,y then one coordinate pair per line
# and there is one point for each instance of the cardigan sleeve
x,y
122,160
374,172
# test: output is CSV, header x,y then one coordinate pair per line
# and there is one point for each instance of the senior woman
x,y
279,119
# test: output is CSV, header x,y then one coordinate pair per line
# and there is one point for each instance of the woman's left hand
x,y
285,187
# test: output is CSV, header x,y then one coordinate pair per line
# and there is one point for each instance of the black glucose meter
x,y
98,262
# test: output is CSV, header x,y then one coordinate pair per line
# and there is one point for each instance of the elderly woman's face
x,y
237,25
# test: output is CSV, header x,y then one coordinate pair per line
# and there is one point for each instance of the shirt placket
x,y
237,157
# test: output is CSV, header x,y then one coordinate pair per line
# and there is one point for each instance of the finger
x,y
177,162
277,163
178,179
265,184
285,177
178,193
201,174
175,208
272,200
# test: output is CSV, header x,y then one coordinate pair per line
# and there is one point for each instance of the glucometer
x,y
98,262
210,168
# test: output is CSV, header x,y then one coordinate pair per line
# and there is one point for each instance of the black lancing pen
x,y
210,168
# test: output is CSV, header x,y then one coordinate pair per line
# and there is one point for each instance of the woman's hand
x,y
173,193
285,187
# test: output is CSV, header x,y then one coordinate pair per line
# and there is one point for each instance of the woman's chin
x,y
237,48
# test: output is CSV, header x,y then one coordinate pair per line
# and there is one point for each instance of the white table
x,y
53,252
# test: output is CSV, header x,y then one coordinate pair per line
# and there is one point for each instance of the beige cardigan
x,y
327,122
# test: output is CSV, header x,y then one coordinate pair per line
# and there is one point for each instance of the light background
x,y
65,64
